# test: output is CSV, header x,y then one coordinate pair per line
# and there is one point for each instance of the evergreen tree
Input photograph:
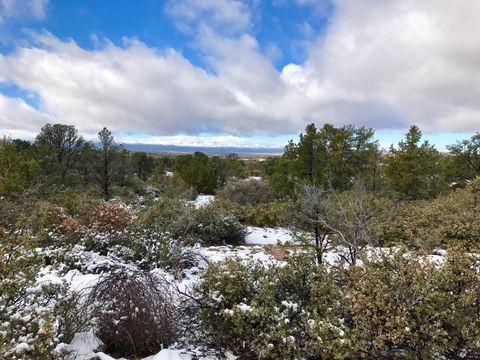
x,y
18,167
333,157
412,170
143,164
59,147
108,162
466,155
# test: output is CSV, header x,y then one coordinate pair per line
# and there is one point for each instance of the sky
x,y
247,73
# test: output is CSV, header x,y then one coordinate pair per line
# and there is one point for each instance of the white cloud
x,y
413,61
35,9
229,15
18,116
381,64
131,88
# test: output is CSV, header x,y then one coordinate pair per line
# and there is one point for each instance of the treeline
x,y
336,158
61,157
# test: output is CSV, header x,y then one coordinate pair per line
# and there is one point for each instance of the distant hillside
x,y
173,149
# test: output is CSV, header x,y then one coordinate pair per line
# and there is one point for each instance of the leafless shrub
x,y
344,219
135,312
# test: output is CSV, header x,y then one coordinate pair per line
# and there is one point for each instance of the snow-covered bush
x,y
273,312
34,318
151,249
135,311
52,225
210,225
214,226
403,305
171,216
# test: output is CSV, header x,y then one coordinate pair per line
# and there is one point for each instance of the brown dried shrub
x,y
110,216
135,311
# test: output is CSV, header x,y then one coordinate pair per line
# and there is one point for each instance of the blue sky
x,y
240,73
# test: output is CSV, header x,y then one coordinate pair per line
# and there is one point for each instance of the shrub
x,y
405,306
53,226
170,216
270,214
34,318
111,216
215,226
152,249
459,282
450,218
272,313
247,191
135,311
78,204
211,225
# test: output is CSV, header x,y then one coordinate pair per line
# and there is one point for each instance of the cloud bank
x,y
381,64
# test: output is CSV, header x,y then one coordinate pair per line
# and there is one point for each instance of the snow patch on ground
x,y
167,354
83,346
203,200
268,236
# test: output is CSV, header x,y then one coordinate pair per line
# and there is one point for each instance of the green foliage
x,y
206,174
107,163
143,164
396,308
169,216
34,319
450,218
78,204
18,169
412,170
403,305
211,225
247,192
60,147
270,214
273,313
332,157
215,226
466,153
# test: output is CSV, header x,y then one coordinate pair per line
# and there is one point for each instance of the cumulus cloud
x,y
409,61
128,88
382,64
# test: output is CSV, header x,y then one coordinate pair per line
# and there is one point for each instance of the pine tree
x,y
413,169
108,162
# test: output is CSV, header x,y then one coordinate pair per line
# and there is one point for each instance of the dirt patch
x,y
279,252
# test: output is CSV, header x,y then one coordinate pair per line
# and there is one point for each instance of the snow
x,y
268,236
257,248
83,346
167,354
22,347
247,253
203,200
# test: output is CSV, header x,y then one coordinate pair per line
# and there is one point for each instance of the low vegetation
x,y
385,263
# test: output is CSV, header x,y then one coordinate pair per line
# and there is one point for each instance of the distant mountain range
x,y
174,149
